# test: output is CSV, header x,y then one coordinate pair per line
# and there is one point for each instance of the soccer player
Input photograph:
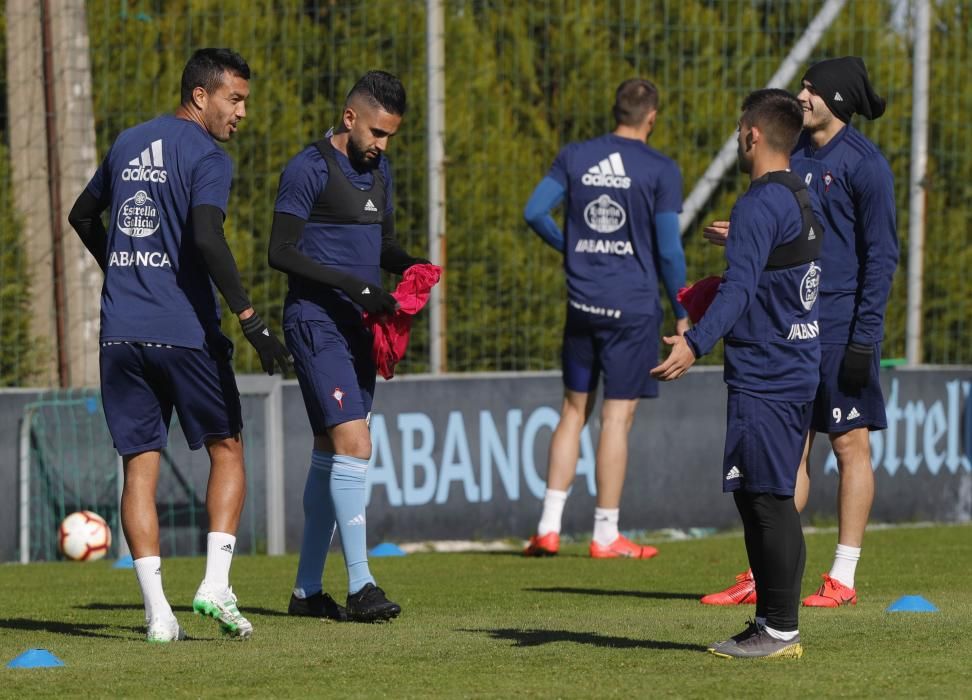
x,y
166,183
859,257
766,310
622,199
333,232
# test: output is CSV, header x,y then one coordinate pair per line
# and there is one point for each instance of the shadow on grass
x,y
73,629
535,638
175,608
80,629
656,595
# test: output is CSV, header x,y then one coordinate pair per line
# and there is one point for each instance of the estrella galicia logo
x,y
810,286
138,216
604,215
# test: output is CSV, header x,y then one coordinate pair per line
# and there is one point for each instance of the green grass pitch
x,y
499,625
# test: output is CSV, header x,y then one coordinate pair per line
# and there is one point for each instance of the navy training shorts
x,y
764,443
837,410
335,370
624,351
142,382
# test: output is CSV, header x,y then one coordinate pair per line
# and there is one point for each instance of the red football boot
x,y
831,594
543,545
622,548
742,592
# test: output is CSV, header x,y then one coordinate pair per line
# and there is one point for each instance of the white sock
x,y
553,512
845,564
606,525
219,556
148,571
782,636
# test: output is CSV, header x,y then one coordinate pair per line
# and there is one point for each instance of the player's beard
x,y
360,158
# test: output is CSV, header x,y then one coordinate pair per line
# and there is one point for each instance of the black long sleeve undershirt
x,y
206,224
284,255
85,219
393,257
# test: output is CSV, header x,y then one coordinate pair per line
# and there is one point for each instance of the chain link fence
x,y
521,79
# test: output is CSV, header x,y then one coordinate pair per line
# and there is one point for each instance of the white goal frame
x,y
270,388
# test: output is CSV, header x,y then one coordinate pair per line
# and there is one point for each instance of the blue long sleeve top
x,y
769,318
860,249
668,256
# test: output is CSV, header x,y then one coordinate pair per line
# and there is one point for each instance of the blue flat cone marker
x,y
124,562
35,658
387,549
911,603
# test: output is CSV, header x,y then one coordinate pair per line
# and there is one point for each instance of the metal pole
x,y
57,215
435,150
25,485
273,435
784,75
919,166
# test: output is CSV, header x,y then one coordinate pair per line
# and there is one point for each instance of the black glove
x,y
855,370
419,261
267,345
370,297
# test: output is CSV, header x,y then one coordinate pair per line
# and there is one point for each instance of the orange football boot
x,y
742,592
831,594
622,548
543,545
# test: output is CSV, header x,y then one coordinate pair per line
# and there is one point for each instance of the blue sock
x,y
348,492
318,525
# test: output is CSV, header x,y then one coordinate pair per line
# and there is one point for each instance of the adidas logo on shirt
x,y
837,97
370,206
854,413
733,473
608,173
148,166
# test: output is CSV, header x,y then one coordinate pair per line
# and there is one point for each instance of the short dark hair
x,y
205,69
778,115
633,100
381,89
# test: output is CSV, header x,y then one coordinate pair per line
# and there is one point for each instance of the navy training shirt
x,y
860,251
615,186
769,318
157,287
351,248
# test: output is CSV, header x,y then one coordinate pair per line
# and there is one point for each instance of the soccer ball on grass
x,y
84,536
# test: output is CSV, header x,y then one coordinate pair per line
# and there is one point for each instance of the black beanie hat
x,y
843,85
